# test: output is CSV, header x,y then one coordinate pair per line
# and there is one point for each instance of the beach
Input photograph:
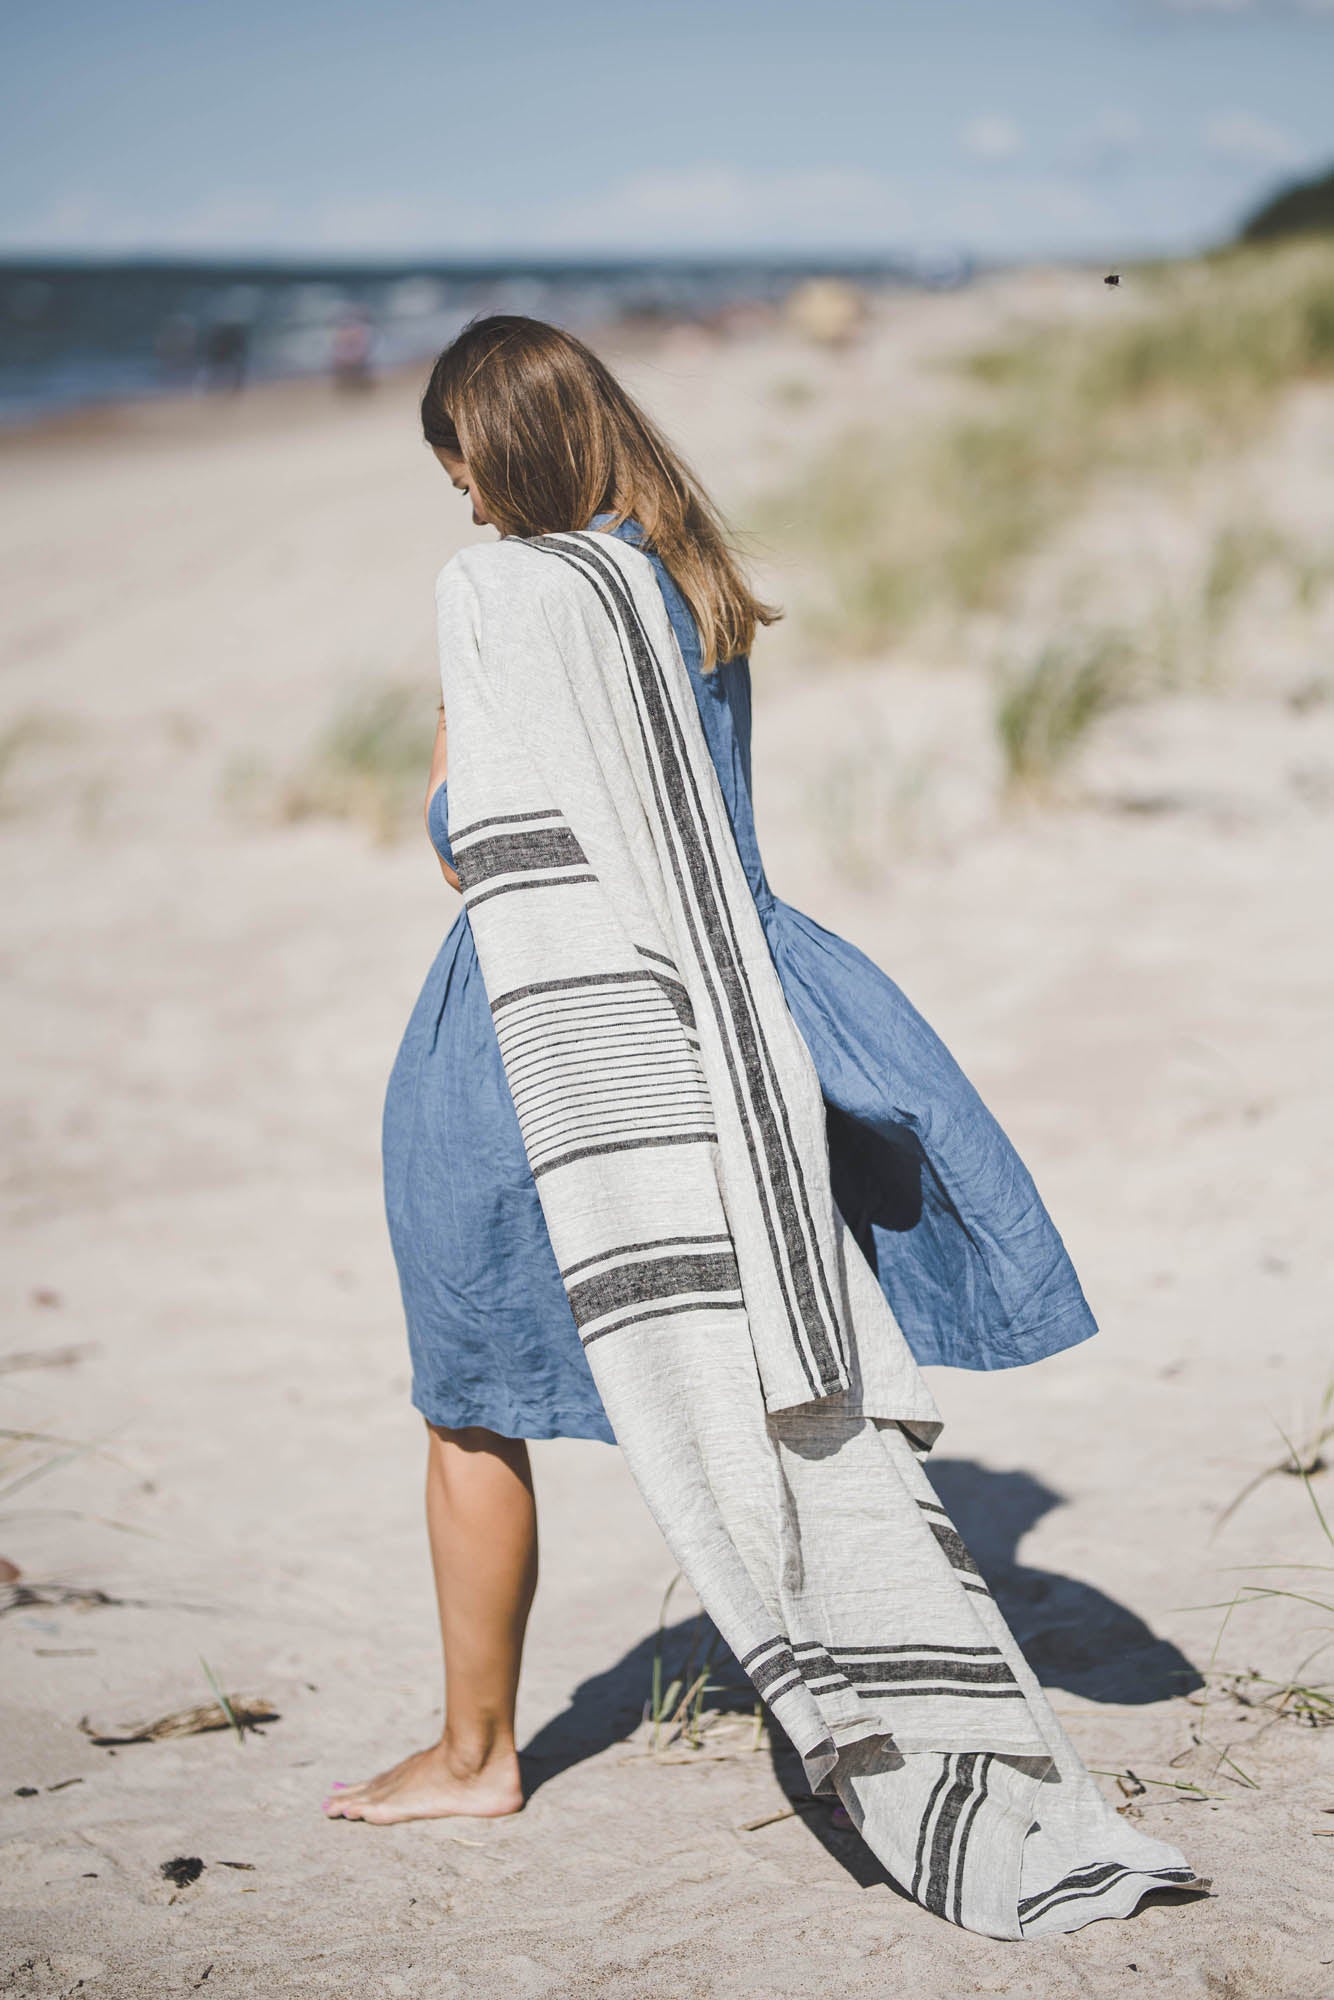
x,y
212,1471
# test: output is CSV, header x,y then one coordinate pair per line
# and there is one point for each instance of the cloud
x,y
1248,141
992,137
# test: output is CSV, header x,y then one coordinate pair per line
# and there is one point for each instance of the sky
x,y
397,128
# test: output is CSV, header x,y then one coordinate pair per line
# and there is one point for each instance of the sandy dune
x,y
202,1007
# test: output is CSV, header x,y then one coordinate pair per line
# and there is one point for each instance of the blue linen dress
x,y
942,1207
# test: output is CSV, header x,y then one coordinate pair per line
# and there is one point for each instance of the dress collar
x,y
629,530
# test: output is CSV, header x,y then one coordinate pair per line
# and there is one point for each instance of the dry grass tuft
x,y
370,763
1298,1696
1046,707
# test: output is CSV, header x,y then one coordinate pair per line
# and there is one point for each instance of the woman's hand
x,y
439,772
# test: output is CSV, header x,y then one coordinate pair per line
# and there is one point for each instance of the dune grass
x,y
1045,707
1299,1696
1047,703
370,763
679,1713
1215,342
941,521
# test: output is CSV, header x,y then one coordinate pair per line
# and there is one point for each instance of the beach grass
x,y
369,764
941,520
1299,1696
678,1714
1046,706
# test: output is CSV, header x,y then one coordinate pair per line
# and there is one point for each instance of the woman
x,y
540,437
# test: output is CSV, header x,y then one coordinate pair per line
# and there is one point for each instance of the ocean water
x,y
74,333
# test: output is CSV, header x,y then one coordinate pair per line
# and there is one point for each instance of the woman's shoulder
x,y
503,564
480,563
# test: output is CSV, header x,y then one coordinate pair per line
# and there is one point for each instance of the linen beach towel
x,y
758,1384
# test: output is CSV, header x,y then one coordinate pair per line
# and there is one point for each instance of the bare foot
x,y
431,1785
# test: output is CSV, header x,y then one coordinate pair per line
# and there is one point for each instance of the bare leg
x,y
482,1521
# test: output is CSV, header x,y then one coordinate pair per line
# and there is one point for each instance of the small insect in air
x,y
1112,278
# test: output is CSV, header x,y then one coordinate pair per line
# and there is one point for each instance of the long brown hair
x,y
551,438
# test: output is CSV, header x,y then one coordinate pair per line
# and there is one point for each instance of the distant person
x,y
638,1099
351,354
177,349
227,356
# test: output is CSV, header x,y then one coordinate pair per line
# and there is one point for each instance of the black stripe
x,y
815,1662
925,1827
505,819
623,1146
620,1049
1080,1882
769,1646
638,1017
781,1667
650,1278
586,1136
610,1085
649,1033
676,992
951,1652
965,1829
873,1692
664,1312
571,984
624,1249
951,1541
572,1132
517,854
630,1026
587,1114
622,1086
968,1673
509,888
1094,1881
937,1883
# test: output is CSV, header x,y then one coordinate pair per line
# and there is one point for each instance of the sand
x,y
202,1006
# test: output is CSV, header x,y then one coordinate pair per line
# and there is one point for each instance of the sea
x,y
79,332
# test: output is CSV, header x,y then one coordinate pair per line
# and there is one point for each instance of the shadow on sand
x,y
1073,1634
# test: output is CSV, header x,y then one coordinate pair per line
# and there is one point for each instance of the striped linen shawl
x,y
760,1389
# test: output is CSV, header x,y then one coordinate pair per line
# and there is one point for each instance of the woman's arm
x,y
439,772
